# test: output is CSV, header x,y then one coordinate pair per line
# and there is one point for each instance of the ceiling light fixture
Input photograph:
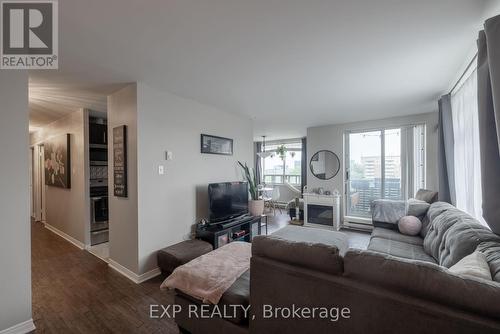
x,y
263,154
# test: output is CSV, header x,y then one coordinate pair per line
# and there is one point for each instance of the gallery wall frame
x,y
57,161
120,172
210,144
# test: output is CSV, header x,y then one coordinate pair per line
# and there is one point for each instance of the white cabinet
x,y
322,211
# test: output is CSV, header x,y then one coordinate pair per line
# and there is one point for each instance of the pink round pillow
x,y
409,225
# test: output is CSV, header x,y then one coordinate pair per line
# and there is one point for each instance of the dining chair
x,y
275,197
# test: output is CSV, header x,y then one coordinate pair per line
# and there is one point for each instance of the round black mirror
x,y
324,164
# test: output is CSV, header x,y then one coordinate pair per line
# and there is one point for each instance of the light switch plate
x,y
169,155
161,169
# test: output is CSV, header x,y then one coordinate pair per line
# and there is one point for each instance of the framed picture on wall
x,y
58,162
120,182
216,145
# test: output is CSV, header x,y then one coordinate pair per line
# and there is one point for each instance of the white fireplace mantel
x,y
329,202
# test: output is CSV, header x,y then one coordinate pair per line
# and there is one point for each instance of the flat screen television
x,y
227,200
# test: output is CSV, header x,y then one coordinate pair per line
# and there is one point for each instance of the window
x,y
280,168
384,163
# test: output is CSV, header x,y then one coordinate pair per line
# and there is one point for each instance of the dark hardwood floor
x,y
75,292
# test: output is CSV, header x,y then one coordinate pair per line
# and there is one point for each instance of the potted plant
x,y
255,205
281,152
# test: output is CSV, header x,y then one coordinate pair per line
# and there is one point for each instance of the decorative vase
x,y
256,207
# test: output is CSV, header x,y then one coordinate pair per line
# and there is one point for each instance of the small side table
x,y
263,221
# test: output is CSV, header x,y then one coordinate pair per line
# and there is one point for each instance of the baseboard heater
x,y
358,226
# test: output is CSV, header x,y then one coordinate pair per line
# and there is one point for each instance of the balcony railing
x,y
278,179
363,192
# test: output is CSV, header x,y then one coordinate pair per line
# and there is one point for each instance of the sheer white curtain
x,y
464,109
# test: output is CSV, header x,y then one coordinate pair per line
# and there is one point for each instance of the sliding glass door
x,y
374,169
392,184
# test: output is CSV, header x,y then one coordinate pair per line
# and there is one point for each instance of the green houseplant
x,y
255,204
281,151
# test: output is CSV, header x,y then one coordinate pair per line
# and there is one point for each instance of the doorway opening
x,y
37,182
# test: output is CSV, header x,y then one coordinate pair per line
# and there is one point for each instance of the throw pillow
x,y
428,196
417,208
474,265
409,225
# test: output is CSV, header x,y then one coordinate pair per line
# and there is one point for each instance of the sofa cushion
x,y
383,233
417,208
314,236
428,196
426,224
474,264
399,249
386,213
492,251
453,234
424,280
311,255
434,210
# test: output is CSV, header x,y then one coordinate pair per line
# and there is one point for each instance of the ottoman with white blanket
x,y
213,290
214,283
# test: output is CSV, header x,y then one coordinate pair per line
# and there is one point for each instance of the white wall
x,y
15,260
170,204
492,9
68,210
161,209
331,138
123,217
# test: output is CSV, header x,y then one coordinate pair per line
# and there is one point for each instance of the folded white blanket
x,y
207,277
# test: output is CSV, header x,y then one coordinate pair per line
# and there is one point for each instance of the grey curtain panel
x,y
446,156
258,149
488,73
304,165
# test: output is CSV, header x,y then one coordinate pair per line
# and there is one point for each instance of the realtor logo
x,y
29,35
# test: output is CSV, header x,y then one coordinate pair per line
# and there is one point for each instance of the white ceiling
x,y
287,64
50,99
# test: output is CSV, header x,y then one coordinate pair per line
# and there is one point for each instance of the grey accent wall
x,y
123,212
15,260
68,210
331,138
170,204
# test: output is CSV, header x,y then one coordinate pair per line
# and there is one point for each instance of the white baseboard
x,y
131,275
22,328
65,236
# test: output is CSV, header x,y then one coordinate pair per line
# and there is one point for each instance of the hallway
x,y
75,292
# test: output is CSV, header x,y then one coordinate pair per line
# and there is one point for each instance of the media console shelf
x,y
223,233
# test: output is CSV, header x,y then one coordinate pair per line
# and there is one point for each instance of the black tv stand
x,y
242,228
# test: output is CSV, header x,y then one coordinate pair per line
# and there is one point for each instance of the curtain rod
x,y
463,74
